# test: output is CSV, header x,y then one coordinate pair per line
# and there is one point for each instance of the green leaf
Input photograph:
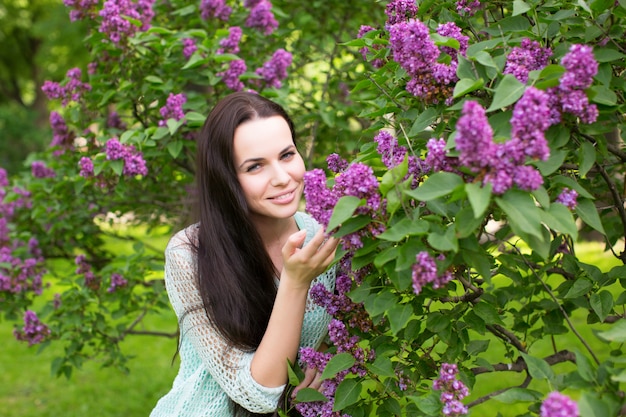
x,y
508,92
465,86
429,404
405,227
553,163
399,316
589,405
466,223
601,303
117,166
558,218
153,79
174,148
522,213
343,211
584,5
617,333
537,367
339,362
587,157
479,197
308,395
520,7
572,184
348,393
295,374
382,366
446,241
584,367
607,55
514,395
173,125
195,61
488,313
435,186
580,287
423,121
601,94
589,214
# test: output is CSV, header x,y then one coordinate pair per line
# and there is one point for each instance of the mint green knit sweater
x,y
210,371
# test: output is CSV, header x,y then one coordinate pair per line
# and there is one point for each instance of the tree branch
x,y
619,205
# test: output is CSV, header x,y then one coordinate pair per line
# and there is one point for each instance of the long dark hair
x,y
235,272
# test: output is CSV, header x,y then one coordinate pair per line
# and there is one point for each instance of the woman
x,y
238,280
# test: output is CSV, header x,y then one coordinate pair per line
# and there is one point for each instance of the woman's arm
x,y
282,337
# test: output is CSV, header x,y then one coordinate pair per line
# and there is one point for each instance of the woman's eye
x,y
288,155
253,167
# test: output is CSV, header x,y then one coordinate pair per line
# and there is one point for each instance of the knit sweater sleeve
x,y
230,367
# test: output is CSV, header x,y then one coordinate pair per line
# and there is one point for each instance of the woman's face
x,y
269,167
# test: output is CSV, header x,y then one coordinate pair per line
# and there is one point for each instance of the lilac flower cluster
x,y
464,7
215,9
20,274
34,331
134,164
559,405
115,24
274,71
502,164
451,30
338,304
173,108
569,97
568,197
336,163
529,56
231,76
40,170
117,281
452,391
72,90
424,272
82,9
377,63
86,167
84,268
114,121
262,18
231,43
393,154
61,136
340,338
356,180
398,11
436,156
417,54
189,47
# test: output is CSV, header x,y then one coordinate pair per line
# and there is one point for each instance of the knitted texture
x,y
210,371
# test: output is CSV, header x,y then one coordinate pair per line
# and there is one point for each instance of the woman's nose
x,y
280,175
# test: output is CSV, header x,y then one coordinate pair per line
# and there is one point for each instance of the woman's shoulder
x,y
184,239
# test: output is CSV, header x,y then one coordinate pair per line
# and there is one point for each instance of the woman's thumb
x,y
294,242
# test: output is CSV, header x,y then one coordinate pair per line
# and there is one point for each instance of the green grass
x,y
27,389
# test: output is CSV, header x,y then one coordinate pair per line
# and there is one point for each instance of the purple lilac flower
x,y
22,274
82,9
71,91
189,47
262,18
392,153
60,134
336,163
231,43
114,149
464,7
115,122
4,178
568,198
424,271
436,158
215,9
559,405
134,164
378,62
400,11
86,167
474,139
527,178
40,170
529,56
117,281
529,122
52,90
173,108
231,76
412,47
320,201
275,70
114,15
358,180
34,331
451,30
452,391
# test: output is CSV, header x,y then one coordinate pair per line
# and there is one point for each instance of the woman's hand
x,y
312,379
302,264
